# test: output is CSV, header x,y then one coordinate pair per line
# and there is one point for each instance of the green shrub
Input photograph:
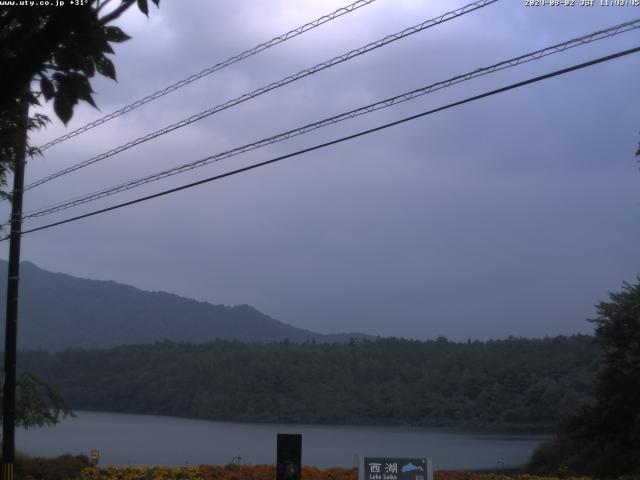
x,y
65,467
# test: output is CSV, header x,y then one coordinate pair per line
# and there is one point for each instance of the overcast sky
x,y
512,215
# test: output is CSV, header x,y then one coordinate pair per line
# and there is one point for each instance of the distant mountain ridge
x,y
59,311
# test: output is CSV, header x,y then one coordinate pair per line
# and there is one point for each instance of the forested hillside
x,y
389,381
59,311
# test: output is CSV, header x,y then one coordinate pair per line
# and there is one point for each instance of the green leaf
x,y
86,96
98,43
63,106
115,34
68,59
144,7
59,77
77,86
106,47
46,87
87,66
72,87
31,98
106,68
37,122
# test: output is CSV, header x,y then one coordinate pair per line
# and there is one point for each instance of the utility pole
x,y
13,283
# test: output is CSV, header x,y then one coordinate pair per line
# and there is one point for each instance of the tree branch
x,y
117,12
102,4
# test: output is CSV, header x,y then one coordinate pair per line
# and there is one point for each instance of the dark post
x,y
13,281
289,463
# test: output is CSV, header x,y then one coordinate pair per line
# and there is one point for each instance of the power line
x,y
208,71
272,86
388,102
339,140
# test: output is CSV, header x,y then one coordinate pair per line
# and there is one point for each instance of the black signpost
x,y
378,468
289,460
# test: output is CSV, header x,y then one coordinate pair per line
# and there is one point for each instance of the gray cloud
x,y
511,215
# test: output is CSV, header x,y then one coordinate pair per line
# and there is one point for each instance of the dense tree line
x,y
388,381
601,437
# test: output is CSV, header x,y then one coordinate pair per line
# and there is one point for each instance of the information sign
x,y
378,468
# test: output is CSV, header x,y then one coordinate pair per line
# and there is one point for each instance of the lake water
x,y
149,440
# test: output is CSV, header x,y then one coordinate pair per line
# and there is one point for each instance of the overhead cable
x,y
272,86
339,140
388,102
208,71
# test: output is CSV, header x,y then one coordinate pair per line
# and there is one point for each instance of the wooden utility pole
x,y
13,283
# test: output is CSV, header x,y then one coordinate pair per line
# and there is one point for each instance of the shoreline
x,y
521,429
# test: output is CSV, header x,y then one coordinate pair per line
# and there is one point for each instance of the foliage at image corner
x,y
11,122
37,403
602,437
64,467
52,54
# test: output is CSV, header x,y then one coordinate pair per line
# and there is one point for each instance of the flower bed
x,y
268,472
229,472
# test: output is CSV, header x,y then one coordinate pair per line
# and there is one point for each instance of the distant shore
x,y
513,384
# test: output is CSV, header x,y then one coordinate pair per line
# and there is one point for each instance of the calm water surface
x,y
149,440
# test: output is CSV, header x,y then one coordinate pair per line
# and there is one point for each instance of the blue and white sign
x,y
379,468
